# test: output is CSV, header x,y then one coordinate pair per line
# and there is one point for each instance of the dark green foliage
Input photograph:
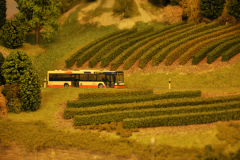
x,y
233,8
15,65
157,104
94,95
224,46
2,80
13,34
233,51
159,2
211,9
70,61
30,91
183,119
3,15
12,94
130,99
118,116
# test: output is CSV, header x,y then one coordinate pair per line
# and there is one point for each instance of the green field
x,y
38,129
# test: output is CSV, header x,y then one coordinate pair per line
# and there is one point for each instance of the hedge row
x,y
120,116
120,48
119,60
183,119
147,56
70,61
220,47
132,92
178,51
157,104
109,46
181,39
165,34
196,49
233,51
91,52
189,54
130,99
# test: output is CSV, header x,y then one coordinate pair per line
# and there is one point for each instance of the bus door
x,y
110,79
75,80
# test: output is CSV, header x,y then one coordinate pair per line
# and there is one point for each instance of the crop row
x,y
181,49
183,119
181,39
147,56
157,104
70,61
165,34
130,99
121,115
226,56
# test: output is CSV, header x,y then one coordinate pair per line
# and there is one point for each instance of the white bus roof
x,y
80,71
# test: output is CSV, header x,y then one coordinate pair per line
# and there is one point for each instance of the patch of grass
x,y
223,77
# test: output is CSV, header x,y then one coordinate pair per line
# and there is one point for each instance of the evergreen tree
x,y
233,8
211,9
30,91
2,81
15,65
3,15
13,34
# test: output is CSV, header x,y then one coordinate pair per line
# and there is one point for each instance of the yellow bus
x,y
85,79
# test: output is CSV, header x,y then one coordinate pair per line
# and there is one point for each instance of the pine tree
x,y
211,9
3,15
233,8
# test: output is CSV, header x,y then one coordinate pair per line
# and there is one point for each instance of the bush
x,y
30,91
12,94
13,34
3,15
2,80
226,56
15,65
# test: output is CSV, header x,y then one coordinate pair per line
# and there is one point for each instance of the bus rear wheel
x,y
100,86
66,85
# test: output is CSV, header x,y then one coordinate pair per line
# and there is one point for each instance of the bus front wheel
x,y
66,85
100,86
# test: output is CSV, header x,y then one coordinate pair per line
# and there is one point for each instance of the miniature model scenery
x,y
120,79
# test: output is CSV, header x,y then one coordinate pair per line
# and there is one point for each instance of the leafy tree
x,y
2,80
233,8
211,9
14,66
13,34
39,14
30,91
3,10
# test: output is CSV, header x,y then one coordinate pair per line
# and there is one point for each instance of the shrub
x,y
30,91
13,34
2,80
211,9
15,65
12,94
3,106
3,15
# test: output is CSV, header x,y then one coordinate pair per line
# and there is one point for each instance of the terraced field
x,y
179,41
145,109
